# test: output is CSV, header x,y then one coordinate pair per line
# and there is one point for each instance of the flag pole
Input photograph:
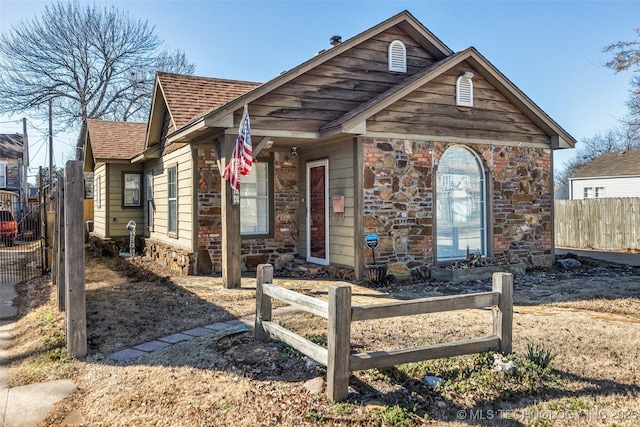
x,y
241,159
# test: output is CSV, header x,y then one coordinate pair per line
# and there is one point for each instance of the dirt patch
x,y
584,316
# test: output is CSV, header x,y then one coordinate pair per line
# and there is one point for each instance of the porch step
x,y
300,268
306,268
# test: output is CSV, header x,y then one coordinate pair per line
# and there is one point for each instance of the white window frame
x,y
97,192
149,199
397,57
3,174
133,203
172,201
454,183
599,192
587,193
245,208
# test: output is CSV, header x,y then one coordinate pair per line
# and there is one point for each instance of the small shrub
x,y
396,416
539,355
316,417
320,339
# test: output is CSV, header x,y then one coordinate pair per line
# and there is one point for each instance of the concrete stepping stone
x,y
198,332
152,346
176,338
126,354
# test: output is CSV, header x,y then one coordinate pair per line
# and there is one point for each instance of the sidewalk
x,y
617,257
23,406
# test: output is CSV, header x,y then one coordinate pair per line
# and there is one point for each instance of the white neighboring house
x,y
614,174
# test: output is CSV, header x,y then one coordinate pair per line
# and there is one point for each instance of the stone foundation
x,y
113,246
178,261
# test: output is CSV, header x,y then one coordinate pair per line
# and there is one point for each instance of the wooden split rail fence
x,y
339,313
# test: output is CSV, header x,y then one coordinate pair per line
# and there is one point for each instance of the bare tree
x,y
91,62
626,56
621,138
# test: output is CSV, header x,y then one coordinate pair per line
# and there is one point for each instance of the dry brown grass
x,y
37,351
230,380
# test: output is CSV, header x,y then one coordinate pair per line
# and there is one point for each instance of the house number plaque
x,y
372,241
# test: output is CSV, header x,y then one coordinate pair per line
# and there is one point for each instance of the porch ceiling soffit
x,y
355,120
221,114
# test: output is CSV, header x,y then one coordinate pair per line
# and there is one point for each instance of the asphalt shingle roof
x,y
189,97
116,140
11,146
617,163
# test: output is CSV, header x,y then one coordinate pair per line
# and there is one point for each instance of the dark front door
x,y
317,209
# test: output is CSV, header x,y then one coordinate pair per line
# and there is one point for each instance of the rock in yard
x,y
569,263
502,364
433,382
314,385
375,405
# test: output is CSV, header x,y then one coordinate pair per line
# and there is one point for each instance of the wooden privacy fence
x,y
339,313
603,223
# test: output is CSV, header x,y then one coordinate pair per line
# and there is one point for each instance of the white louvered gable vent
x,y
464,90
397,57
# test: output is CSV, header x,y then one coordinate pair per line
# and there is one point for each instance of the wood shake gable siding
x,y
431,111
337,86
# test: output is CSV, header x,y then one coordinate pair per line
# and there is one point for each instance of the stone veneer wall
x,y
398,203
277,250
179,261
176,260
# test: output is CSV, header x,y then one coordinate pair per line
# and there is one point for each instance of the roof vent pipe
x,y
335,40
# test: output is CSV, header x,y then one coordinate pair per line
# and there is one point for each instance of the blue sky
x,y
552,50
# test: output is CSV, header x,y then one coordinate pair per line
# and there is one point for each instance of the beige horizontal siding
x,y
341,182
100,209
185,169
118,215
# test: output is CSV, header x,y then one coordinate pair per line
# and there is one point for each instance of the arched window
x,y
464,89
397,57
460,205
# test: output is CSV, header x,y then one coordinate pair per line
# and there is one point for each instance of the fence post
x,y
339,342
264,274
74,259
503,313
59,242
56,227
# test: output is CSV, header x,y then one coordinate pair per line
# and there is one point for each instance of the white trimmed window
x,y
254,201
397,57
149,198
172,187
588,192
460,204
3,174
131,190
464,89
97,192
591,192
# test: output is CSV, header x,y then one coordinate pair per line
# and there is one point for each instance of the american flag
x,y
241,160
